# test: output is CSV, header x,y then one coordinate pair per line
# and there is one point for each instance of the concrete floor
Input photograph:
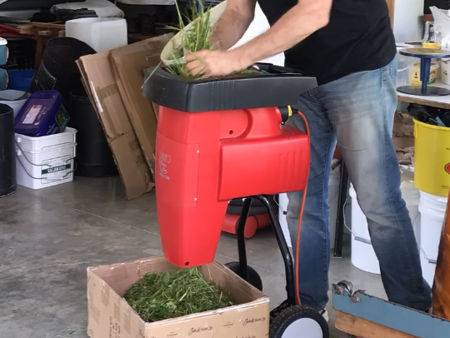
x,y
48,238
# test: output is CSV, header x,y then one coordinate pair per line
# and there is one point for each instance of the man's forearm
x,y
297,24
233,23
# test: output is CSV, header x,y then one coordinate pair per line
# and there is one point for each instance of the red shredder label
x,y
32,114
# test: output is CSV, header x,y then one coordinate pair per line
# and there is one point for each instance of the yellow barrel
x,y
432,158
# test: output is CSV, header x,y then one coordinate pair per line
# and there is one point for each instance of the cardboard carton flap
x,y
103,92
129,63
97,72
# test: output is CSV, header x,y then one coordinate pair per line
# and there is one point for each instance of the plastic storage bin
x,y
45,161
41,115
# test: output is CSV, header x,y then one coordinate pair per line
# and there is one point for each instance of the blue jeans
x,y
356,112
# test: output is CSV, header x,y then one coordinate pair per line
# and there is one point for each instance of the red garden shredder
x,y
219,139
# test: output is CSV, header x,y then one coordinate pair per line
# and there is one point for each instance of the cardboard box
x,y
129,63
102,89
111,316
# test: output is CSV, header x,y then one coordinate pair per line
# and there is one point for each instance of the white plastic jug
x,y
99,33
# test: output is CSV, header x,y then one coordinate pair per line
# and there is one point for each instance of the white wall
x,y
408,23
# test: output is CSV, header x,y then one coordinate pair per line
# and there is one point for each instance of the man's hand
x,y
210,63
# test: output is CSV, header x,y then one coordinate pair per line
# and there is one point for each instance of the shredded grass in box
x,y
173,294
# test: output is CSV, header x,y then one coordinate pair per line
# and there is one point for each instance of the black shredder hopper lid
x,y
270,86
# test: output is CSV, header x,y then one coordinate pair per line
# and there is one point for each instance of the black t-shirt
x,y
357,38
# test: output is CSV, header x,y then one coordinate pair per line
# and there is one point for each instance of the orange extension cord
x,y
299,227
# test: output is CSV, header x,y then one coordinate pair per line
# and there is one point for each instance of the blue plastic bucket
x,y
20,79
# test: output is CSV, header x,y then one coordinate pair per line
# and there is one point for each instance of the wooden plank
x,y
363,328
48,25
428,17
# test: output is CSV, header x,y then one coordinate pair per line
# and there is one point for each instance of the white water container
x,y
99,33
432,214
45,161
363,256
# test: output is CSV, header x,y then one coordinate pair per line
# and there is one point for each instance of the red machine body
x,y
205,159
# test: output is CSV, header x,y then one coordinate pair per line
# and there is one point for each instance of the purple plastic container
x,y
38,116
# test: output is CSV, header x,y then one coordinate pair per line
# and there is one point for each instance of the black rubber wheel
x,y
297,321
253,277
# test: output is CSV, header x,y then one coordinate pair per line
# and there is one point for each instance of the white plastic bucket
x,y
282,212
411,196
46,160
99,33
333,192
432,213
428,267
362,254
43,143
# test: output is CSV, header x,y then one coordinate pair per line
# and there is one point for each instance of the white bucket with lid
x,y
45,161
432,214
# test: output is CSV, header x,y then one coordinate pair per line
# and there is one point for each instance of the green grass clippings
x,y
194,39
173,294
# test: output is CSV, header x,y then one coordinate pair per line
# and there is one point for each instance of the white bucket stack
x,y
45,161
432,213
362,254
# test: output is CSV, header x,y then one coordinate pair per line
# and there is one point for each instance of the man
x,y
349,46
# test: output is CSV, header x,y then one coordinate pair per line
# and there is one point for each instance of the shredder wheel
x,y
298,321
253,277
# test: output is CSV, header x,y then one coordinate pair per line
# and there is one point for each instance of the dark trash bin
x,y
58,69
94,157
7,151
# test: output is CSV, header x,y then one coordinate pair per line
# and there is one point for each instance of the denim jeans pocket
x,y
389,74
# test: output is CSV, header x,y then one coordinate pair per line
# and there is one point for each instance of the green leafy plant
x,y
172,294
